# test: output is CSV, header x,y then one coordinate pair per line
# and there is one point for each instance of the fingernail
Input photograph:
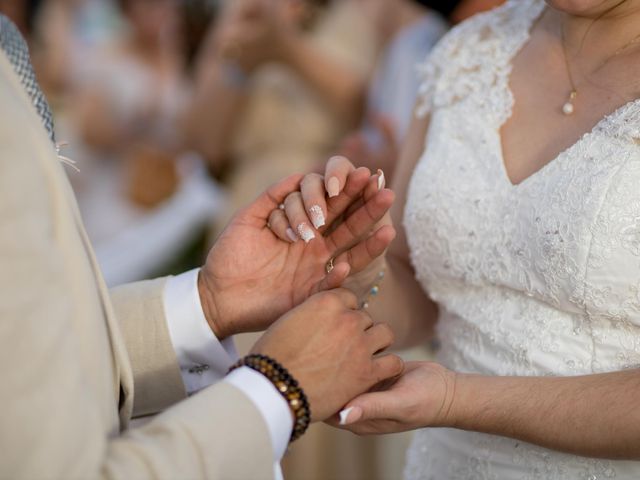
x,y
292,235
305,233
381,180
333,187
344,415
317,216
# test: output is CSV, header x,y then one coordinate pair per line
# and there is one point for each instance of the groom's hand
x,y
252,277
330,348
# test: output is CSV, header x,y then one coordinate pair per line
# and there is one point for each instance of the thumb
x,y
369,406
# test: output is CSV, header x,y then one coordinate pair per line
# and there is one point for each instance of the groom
x,y
77,362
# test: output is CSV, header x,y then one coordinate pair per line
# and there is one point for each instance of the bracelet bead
x,y
286,385
373,291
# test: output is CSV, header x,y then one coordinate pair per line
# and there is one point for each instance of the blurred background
x,y
178,112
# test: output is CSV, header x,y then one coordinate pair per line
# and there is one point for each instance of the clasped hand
x,y
255,272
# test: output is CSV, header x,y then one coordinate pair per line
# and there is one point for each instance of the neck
x,y
602,31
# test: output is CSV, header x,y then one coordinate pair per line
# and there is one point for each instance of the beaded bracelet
x,y
373,291
286,385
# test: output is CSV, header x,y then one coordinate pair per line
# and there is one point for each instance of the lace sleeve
x,y
447,60
475,56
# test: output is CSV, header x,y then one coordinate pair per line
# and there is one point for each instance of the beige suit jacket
x,y
76,362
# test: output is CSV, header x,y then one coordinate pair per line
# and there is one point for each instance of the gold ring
x,y
329,266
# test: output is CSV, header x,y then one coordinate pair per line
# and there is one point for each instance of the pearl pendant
x,y
568,108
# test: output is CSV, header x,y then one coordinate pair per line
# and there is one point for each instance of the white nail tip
x,y
305,233
317,216
381,179
344,415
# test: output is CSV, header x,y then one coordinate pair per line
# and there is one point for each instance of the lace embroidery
x,y
540,278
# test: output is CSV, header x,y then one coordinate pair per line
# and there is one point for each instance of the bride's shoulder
x,y
479,46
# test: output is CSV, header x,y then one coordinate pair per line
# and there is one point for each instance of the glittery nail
x,y
305,233
317,216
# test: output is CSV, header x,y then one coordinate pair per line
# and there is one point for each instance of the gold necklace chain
x,y
569,106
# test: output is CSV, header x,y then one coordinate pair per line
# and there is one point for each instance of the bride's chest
x,y
468,225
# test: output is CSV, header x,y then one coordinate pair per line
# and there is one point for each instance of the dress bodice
x,y
539,278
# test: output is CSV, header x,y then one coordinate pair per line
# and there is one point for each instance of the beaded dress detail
x,y
539,278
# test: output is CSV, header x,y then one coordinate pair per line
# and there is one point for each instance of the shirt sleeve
x,y
204,360
272,406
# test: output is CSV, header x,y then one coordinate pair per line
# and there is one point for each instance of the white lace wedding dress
x,y
539,278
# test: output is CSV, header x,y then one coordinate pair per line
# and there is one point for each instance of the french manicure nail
x,y
344,415
305,233
292,235
381,180
333,187
317,216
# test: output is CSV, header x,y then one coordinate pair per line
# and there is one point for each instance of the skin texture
x,y
592,415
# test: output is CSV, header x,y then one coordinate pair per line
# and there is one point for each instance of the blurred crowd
x,y
178,112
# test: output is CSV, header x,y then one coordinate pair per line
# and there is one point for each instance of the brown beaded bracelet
x,y
286,385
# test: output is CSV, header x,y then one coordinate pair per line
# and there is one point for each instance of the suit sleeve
x,y
156,373
58,420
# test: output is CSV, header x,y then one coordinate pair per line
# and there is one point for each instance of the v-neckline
x,y
548,165
607,118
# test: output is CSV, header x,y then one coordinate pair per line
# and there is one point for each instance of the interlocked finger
x,y
279,225
297,217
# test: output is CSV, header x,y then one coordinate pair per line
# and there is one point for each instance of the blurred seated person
x,y
410,29
279,82
133,95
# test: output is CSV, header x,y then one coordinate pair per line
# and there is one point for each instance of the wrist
x,y
452,405
209,308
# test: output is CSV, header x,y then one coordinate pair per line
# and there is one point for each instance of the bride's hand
x,y
333,206
421,397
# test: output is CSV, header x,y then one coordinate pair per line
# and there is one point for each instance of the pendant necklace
x,y
569,106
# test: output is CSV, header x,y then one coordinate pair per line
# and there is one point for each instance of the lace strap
x,y
475,58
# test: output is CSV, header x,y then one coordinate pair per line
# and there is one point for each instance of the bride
x,y
519,191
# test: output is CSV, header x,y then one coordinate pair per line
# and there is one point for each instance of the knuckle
x,y
292,199
388,333
396,365
312,179
328,300
275,216
350,320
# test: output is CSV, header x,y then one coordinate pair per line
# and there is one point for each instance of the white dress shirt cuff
x,y
203,359
271,404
